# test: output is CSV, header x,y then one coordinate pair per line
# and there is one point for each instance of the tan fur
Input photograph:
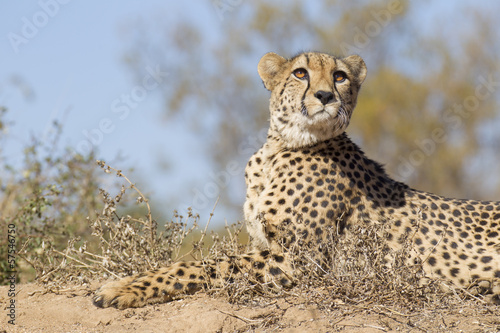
x,y
310,183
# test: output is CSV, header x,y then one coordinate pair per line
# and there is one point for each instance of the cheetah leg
x,y
182,278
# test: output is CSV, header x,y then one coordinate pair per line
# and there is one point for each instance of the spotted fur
x,y
310,184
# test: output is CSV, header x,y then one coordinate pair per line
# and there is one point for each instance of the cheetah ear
x,y
357,67
269,66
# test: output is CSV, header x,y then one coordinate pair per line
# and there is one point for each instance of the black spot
x,y
259,264
234,268
146,283
493,234
159,279
178,286
278,258
432,261
284,281
192,276
355,200
305,233
486,259
180,272
445,206
456,213
454,272
191,286
275,271
446,255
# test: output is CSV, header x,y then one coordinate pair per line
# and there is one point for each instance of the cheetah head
x,y
313,95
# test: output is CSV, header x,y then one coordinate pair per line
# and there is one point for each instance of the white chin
x,y
320,118
311,134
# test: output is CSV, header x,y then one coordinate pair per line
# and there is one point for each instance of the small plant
x,y
118,245
45,197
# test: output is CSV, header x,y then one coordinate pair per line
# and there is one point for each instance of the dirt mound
x,y
71,310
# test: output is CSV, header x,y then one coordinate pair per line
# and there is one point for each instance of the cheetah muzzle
x,y
309,177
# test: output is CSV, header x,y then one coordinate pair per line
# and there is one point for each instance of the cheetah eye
x,y
339,77
300,73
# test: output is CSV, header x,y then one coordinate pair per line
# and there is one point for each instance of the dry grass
x,y
118,245
120,236
361,269
361,274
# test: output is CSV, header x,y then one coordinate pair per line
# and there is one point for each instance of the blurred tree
x,y
425,110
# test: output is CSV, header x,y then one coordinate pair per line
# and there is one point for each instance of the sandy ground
x,y
72,311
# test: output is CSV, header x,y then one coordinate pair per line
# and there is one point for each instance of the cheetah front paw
x,y
119,294
157,286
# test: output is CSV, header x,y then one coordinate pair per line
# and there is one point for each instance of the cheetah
x,y
308,178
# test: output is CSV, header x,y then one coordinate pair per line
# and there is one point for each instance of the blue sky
x,y
64,60
69,57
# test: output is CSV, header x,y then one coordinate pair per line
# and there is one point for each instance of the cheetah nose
x,y
324,96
